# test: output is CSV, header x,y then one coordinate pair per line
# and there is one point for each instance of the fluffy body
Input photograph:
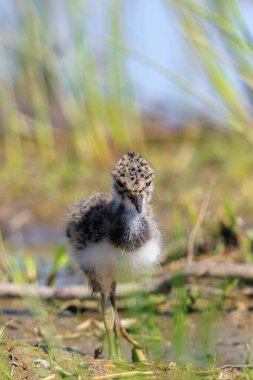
x,y
114,236
111,240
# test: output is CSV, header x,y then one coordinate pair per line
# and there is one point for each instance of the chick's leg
x,y
118,324
109,316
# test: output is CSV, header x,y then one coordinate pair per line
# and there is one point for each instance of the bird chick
x,y
112,235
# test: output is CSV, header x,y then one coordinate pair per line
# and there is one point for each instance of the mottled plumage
x,y
132,174
115,234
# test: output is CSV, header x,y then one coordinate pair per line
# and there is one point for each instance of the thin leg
x,y
109,321
113,302
118,324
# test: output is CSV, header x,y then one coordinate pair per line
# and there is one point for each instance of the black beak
x,y
137,201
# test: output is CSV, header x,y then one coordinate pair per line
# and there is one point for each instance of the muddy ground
x,y
62,343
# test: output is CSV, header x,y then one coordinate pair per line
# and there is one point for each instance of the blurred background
x,y
82,82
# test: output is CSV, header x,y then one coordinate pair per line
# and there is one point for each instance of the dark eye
x,y
120,184
148,184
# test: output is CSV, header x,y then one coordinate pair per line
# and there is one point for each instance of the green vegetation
x,y
62,125
44,96
228,70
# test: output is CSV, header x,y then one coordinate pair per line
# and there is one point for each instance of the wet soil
x,y
223,337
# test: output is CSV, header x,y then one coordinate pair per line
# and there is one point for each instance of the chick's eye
x,y
120,184
148,184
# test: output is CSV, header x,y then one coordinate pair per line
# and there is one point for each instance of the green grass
x,y
177,200
63,127
43,88
101,126
229,71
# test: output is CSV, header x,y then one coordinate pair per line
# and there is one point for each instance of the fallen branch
x,y
221,270
130,374
162,284
10,290
242,272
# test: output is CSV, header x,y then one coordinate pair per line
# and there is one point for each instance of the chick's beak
x,y
137,201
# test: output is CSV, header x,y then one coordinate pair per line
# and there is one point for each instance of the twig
x,y
126,375
11,290
196,228
162,284
239,366
220,270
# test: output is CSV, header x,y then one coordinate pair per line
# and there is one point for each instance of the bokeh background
x,y
82,82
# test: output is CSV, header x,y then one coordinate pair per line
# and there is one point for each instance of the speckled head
x,y
133,179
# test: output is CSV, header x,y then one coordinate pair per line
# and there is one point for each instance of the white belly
x,y
115,264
